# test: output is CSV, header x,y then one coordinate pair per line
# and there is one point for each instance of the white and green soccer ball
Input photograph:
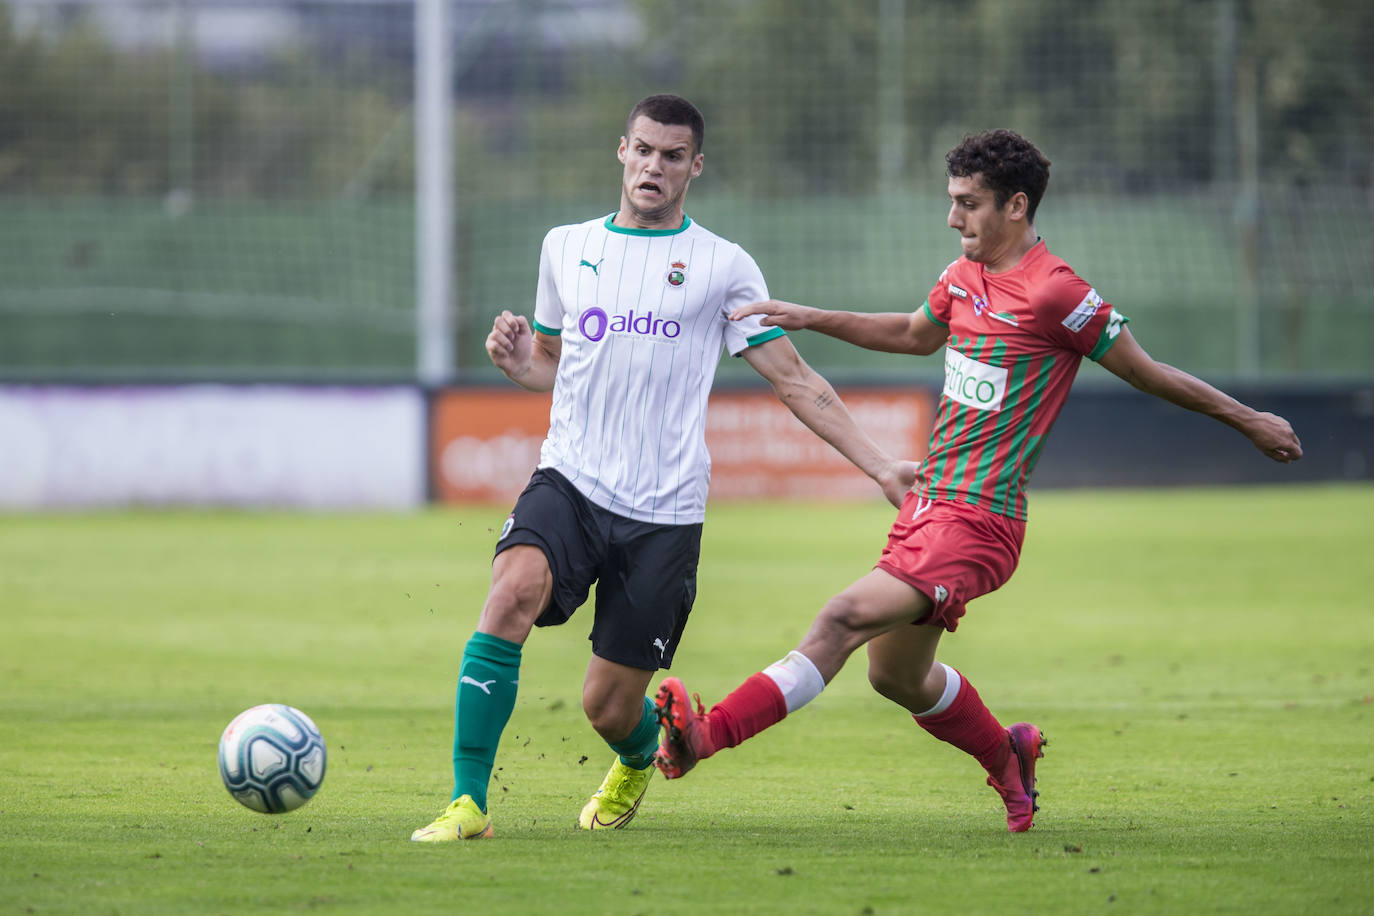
x,y
271,758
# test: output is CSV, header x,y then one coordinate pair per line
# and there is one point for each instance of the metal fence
x,y
227,188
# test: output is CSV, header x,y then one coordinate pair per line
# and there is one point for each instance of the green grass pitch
x,y
1202,662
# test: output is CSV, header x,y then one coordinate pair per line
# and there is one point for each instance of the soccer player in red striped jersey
x,y
1015,323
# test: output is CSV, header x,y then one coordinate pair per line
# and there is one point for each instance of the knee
x,y
886,682
512,596
515,600
612,717
844,621
907,686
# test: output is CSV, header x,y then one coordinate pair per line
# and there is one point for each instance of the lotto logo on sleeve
x,y
972,383
1115,321
1078,319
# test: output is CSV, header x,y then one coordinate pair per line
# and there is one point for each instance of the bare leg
x,y
521,586
489,675
613,698
867,609
873,605
901,667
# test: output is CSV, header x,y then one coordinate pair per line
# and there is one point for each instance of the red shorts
x,y
951,552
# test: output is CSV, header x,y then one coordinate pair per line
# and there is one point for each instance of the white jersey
x,y
642,316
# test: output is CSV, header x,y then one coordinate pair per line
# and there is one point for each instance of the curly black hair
x,y
1007,163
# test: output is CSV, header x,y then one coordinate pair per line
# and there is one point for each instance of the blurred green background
x,y
225,189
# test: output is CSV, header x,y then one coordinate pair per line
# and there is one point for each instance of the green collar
x,y
610,225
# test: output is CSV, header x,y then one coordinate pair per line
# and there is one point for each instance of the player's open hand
x,y
1274,436
787,315
510,343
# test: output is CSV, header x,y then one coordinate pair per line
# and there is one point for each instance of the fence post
x,y
435,205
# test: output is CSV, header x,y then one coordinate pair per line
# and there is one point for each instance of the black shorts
x,y
645,574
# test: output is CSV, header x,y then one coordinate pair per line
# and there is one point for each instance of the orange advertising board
x,y
485,444
759,450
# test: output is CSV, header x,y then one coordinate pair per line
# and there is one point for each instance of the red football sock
x,y
970,726
748,710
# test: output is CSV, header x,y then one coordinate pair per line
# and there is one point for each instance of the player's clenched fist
x,y
1274,436
510,343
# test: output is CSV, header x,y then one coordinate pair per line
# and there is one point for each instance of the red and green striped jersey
x,y
1016,340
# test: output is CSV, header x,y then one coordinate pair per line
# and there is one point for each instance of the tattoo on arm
x,y
824,400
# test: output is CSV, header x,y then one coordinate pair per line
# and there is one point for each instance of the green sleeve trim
x,y
765,335
925,307
552,332
1110,333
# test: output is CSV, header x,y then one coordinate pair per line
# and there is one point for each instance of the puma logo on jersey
x,y
661,646
596,268
941,593
484,686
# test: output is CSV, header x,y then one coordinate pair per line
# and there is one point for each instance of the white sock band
x,y
952,682
797,678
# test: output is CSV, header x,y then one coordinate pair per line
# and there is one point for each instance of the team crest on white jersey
x,y
677,274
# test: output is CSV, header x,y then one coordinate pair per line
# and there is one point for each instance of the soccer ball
x,y
271,758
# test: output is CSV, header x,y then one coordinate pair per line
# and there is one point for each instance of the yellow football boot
x,y
461,820
615,803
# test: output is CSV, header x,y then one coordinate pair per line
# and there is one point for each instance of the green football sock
x,y
487,681
638,749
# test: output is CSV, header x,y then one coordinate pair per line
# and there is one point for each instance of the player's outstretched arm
x,y
528,359
812,399
1270,433
888,332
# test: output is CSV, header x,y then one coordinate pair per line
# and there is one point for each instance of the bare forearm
x,y
1270,433
814,402
888,332
1192,393
883,331
537,376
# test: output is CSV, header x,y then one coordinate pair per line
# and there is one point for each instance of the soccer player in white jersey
x,y
630,316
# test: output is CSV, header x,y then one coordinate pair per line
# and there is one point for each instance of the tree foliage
x,y
797,92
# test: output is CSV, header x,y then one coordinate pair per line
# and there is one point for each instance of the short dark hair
x,y
1007,162
670,109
